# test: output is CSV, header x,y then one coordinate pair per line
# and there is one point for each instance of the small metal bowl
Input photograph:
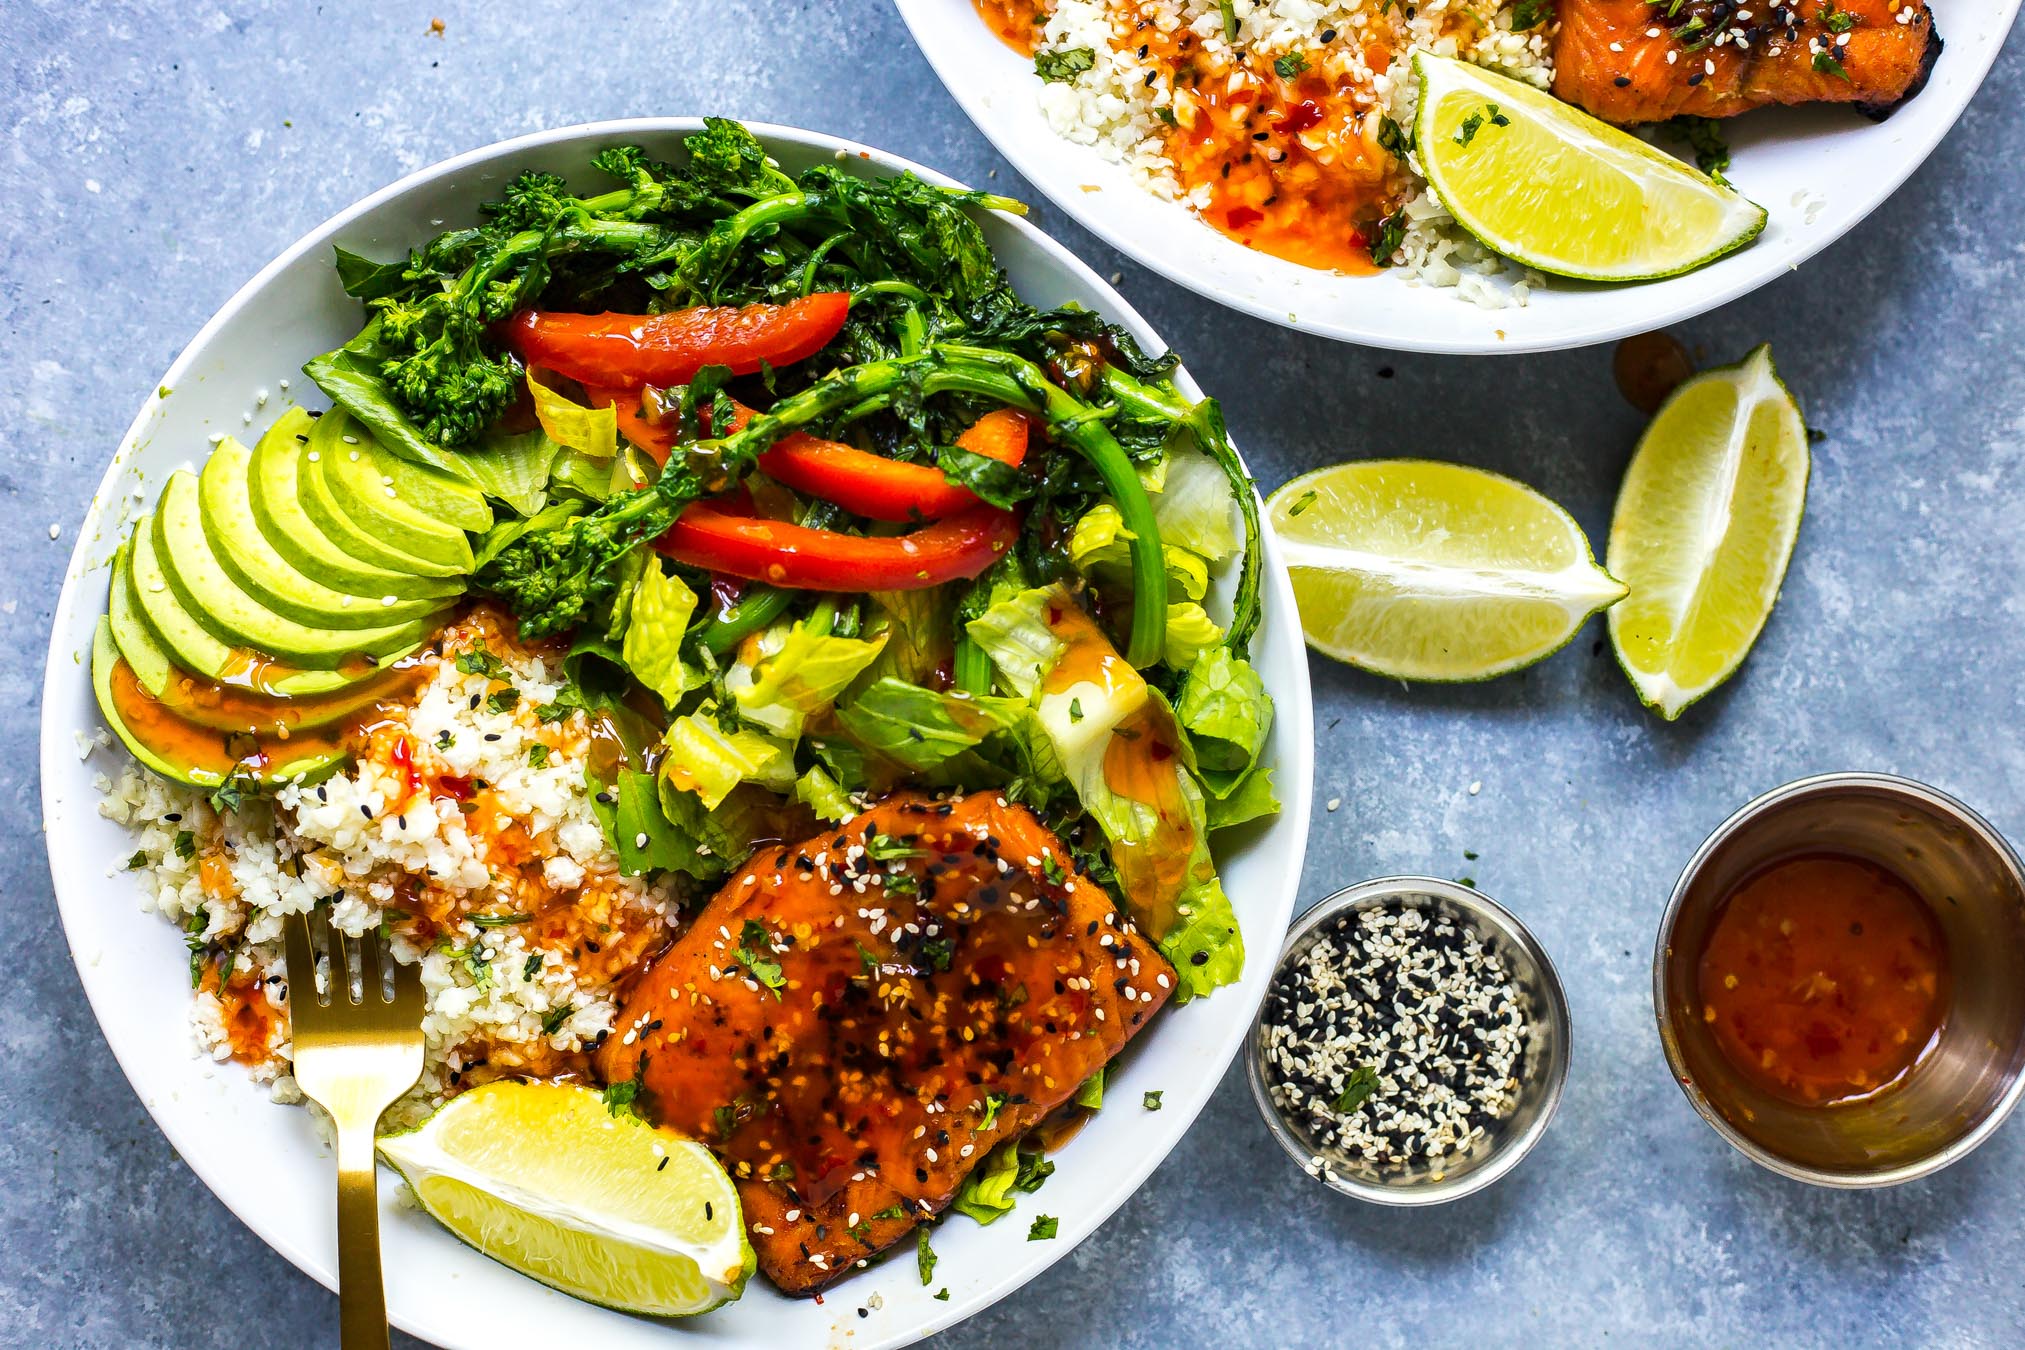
x,y
1964,1087
1542,1067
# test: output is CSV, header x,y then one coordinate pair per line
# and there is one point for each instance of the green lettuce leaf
x,y
820,793
1190,632
919,728
661,607
704,758
797,676
1252,799
1100,547
1090,1096
1226,711
512,466
987,1193
1193,507
1122,749
646,840
919,632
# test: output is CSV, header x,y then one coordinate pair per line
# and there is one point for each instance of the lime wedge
x,y
1551,187
1426,571
541,1177
1704,528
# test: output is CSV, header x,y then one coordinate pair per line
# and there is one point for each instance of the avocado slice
x,y
180,750
288,530
435,494
196,649
143,655
380,538
223,607
225,504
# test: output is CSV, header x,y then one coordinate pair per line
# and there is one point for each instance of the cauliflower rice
x,y
1158,65
464,829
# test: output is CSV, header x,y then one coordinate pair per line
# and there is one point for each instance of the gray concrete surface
x,y
156,154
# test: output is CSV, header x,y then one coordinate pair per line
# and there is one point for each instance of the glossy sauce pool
x,y
1824,979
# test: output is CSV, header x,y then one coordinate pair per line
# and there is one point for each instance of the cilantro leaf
x,y
1064,66
755,953
1363,1082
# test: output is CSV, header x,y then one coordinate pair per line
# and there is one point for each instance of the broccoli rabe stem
x,y
1205,425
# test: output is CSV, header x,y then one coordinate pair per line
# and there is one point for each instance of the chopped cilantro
x,y
499,920
1392,138
624,1097
503,701
139,859
1836,19
1531,14
892,1211
556,1017
186,844
537,755
1052,869
1363,1082
1302,502
1291,65
1391,234
532,967
992,1102
1151,1101
1826,64
885,848
725,1119
925,1258
1075,710
755,953
935,954
1166,114
478,661
1045,1227
1064,66
866,959
942,1294
861,1230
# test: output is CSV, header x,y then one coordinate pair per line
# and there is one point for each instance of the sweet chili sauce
x,y
1824,979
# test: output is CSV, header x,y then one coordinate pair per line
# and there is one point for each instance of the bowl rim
x,y
1509,1151
1887,784
1069,175
58,761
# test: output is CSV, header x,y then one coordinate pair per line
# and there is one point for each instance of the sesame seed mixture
x,y
1419,1001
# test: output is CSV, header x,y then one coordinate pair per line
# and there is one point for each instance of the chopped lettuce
x,y
512,466
920,728
1190,633
580,474
1090,1096
704,758
1194,506
795,674
1226,711
987,1193
1252,799
1120,746
1101,545
820,793
917,627
661,607
588,431
646,840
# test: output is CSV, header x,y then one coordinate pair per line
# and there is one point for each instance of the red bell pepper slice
x,y
630,350
862,483
798,558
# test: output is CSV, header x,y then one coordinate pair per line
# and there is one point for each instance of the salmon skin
x,y
1632,61
854,1023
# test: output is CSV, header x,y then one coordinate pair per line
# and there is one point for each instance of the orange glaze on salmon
x,y
852,1031
1632,61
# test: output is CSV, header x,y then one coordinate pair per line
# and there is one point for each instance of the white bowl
x,y
263,1160
1818,171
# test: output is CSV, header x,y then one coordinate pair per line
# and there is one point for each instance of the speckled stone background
x,y
158,153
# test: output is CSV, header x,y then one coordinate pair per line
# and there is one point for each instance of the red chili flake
x,y
1243,217
454,787
1299,118
404,760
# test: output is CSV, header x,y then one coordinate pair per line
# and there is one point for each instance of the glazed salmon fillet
x,y
1632,61
852,1024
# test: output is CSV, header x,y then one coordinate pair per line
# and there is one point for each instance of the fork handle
x,y
362,1300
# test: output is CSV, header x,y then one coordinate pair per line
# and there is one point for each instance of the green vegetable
x,y
920,728
987,1193
1151,1100
1091,1094
1194,506
1290,66
1190,633
1531,14
623,1097
1704,136
1100,546
799,673
705,758
1061,67
989,479
924,1256
1252,799
1044,1227
756,954
1363,1081
642,836
1227,713
659,617
820,793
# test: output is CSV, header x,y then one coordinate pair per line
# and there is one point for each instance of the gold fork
x,y
354,1055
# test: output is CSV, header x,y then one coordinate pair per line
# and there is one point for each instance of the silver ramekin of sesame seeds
x,y
1413,1043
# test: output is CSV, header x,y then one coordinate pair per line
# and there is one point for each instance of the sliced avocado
x,y
180,750
225,503
374,538
223,607
373,500
435,494
196,649
288,530
143,655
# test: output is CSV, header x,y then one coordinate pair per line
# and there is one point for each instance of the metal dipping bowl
x,y
1542,1066
1962,1090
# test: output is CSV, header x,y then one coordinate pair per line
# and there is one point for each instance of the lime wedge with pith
x,y
1428,571
1550,186
544,1178
1704,527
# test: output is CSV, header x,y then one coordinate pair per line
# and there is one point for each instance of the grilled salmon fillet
x,y
852,1024
1647,60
